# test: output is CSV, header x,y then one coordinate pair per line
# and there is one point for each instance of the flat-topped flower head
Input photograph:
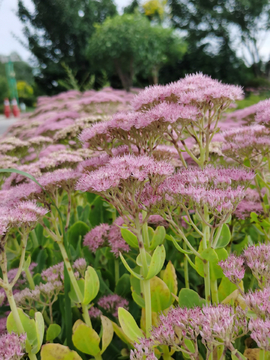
x,y
263,112
60,178
40,141
12,346
250,203
222,323
28,191
16,179
121,169
54,273
215,325
59,159
193,89
107,235
257,258
249,142
13,146
233,268
260,332
111,303
145,130
220,189
24,214
97,237
259,302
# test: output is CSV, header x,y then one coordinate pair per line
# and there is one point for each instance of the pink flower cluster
x,y
263,112
221,189
12,346
193,89
233,268
120,169
111,303
25,214
250,142
107,235
257,258
250,203
125,126
215,325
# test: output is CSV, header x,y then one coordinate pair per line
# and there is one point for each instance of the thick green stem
x,y
214,291
98,357
145,283
14,311
34,238
32,356
29,279
22,259
220,352
74,283
116,271
147,294
186,267
166,353
206,267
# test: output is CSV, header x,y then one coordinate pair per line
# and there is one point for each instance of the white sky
x,y
9,23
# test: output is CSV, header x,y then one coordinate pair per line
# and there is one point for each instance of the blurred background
x,y
50,46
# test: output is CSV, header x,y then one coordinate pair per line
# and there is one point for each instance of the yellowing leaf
x,y
58,352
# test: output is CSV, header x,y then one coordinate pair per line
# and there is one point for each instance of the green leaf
x,y
29,326
123,285
213,257
234,357
72,294
138,276
129,238
129,325
58,352
107,332
139,300
157,262
85,339
170,278
158,237
160,295
189,299
52,332
39,327
139,261
224,238
91,285
178,247
190,345
75,231
120,333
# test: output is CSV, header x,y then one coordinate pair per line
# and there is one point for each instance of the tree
x,y
57,31
210,23
129,44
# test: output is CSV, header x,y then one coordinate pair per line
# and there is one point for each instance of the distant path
x,y
5,123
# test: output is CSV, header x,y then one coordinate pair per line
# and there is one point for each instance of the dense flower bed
x,y
136,225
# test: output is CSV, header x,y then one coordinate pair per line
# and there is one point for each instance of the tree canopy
x,y
129,44
57,31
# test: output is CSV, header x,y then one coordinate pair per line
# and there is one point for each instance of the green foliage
x,y
62,36
161,297
52,332
189,298
59,352
128,325
129,44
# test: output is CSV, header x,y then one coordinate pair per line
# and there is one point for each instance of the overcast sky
x,y
9,23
